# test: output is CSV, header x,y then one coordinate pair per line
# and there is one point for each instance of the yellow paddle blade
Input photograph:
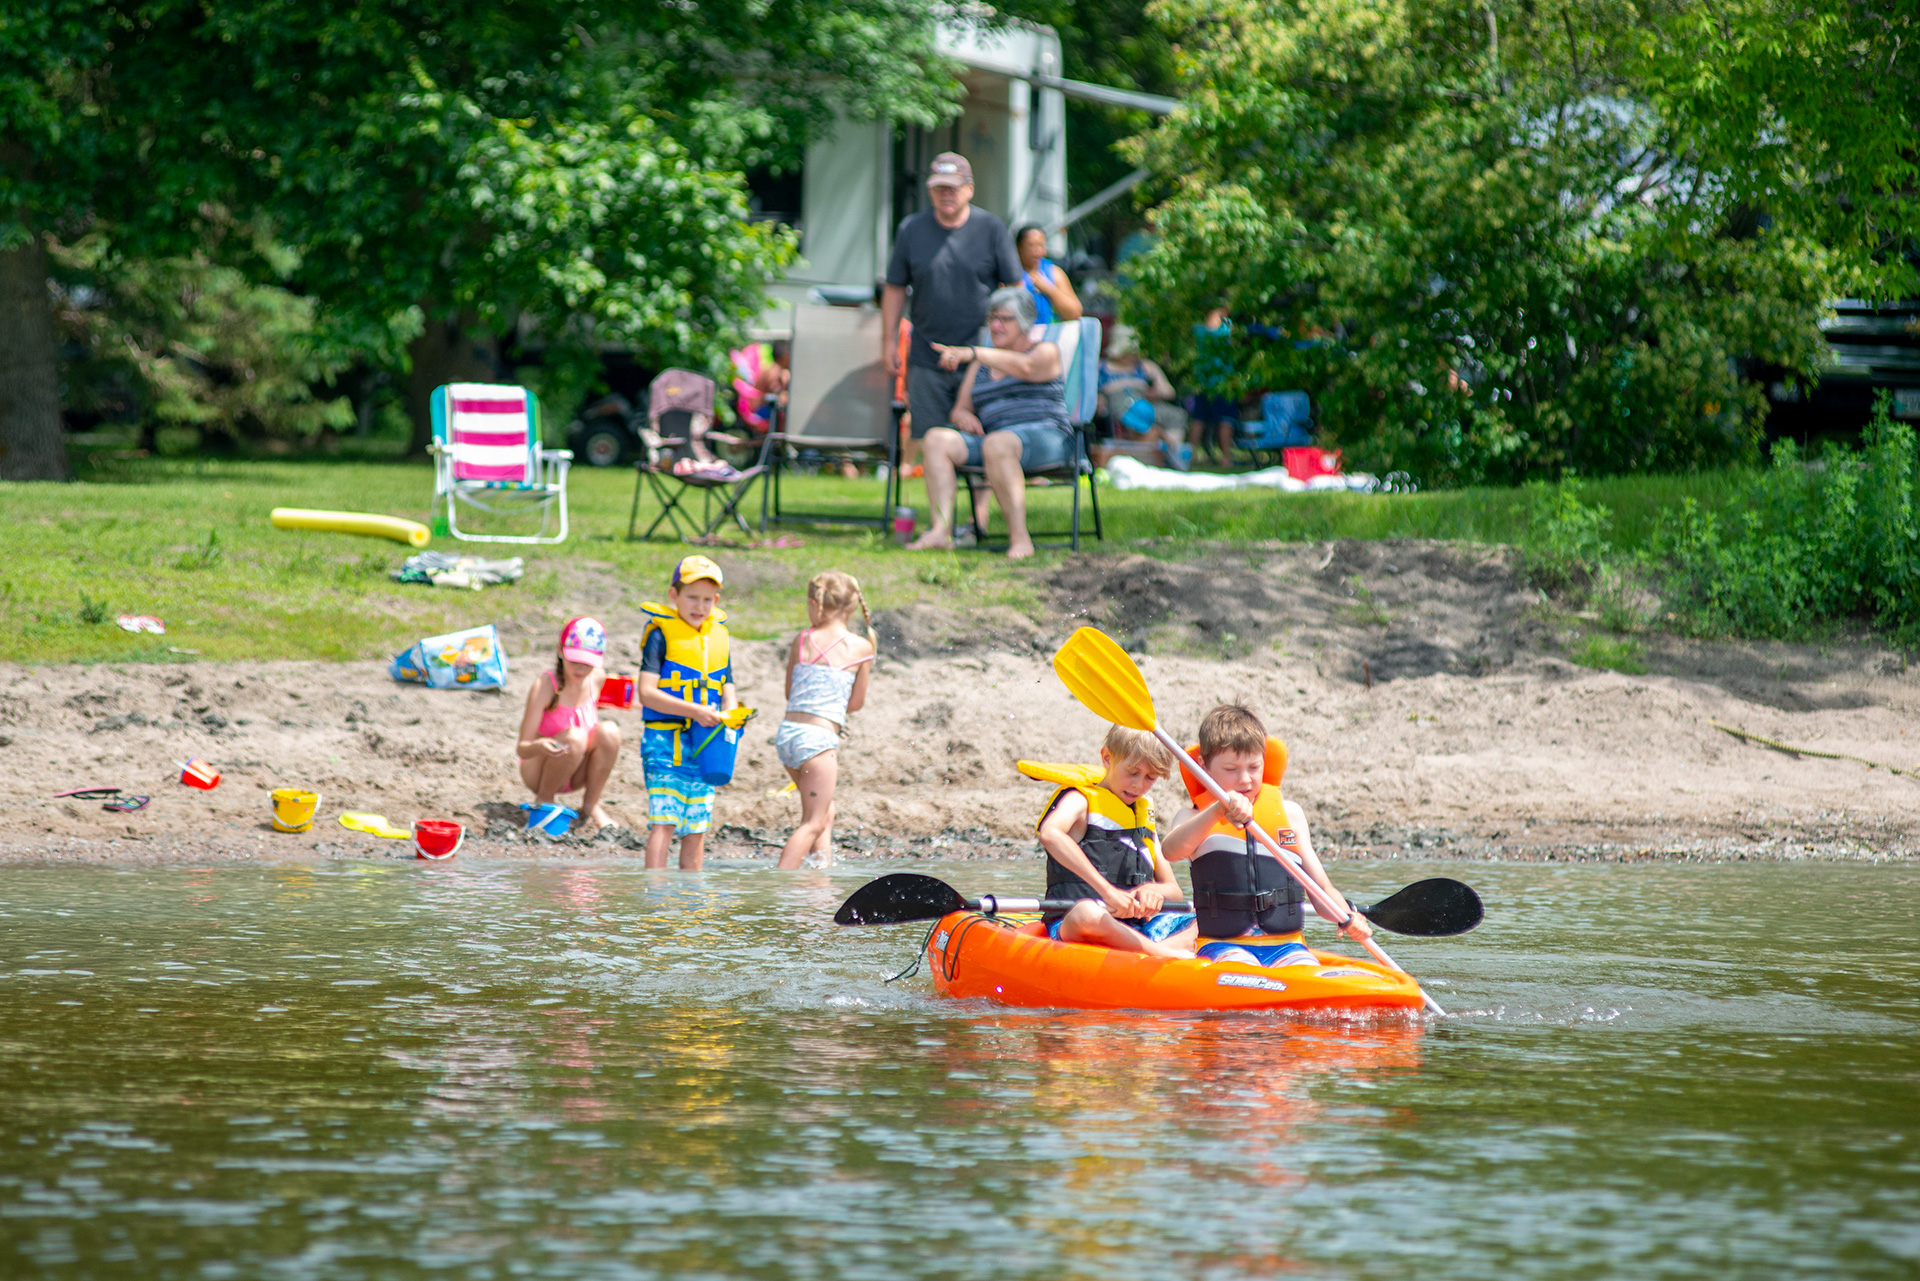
x,y
1102,676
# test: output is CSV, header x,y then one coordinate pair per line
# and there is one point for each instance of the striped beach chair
x,y
487,455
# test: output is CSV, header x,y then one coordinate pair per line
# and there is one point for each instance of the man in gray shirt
x,y
953,256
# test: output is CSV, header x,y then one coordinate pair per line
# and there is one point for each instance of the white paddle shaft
x,y
1323,902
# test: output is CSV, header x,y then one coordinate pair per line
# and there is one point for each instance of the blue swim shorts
x,y
1272,956
1159,927
675,794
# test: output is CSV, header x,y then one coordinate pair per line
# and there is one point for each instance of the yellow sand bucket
x,y
293,809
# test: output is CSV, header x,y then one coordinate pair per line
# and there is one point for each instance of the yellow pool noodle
x,y
410,532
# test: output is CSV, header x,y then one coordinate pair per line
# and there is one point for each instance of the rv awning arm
x,y
1132,99
1105,196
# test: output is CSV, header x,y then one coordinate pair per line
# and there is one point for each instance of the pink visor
x,y
583,640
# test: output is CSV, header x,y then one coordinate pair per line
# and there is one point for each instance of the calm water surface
x,y
505,1070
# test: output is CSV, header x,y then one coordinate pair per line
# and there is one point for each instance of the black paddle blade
x,y
903,896
1432,908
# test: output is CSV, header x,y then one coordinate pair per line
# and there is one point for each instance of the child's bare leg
x,y
693,851
1090,922
599,769
659,839
823,847
814,779
553,773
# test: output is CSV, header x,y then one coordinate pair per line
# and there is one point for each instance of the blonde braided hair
x,y
838,592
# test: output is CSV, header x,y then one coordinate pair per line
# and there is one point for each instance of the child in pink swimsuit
x,y
564,745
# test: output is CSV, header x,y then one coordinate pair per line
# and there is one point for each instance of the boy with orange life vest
x,y
1249,909
1097,830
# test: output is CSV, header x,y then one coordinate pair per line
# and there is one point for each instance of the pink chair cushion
x,y
488,434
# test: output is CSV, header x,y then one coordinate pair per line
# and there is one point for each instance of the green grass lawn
x,y
189,542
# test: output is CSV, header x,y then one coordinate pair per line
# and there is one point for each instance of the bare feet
x,y
598,819
1019,551
934,540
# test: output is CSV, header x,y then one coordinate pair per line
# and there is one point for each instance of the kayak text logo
x,y
1260,981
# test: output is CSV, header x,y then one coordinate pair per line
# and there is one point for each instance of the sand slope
x,y
1417,685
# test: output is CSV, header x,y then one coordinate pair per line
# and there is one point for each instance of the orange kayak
x,y
1015,963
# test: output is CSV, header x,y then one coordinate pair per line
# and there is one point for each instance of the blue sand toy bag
x,y
471,659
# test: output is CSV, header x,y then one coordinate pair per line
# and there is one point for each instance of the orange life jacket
x,y
1238,887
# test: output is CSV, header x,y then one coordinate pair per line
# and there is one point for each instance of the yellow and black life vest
x,y
1119,842
1238,887
696,666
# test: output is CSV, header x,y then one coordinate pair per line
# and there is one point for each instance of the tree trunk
x,y
445,353
30,443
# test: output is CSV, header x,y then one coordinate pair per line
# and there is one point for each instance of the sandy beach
x,y
1419,687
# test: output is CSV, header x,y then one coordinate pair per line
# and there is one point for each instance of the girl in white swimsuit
x,y
828,668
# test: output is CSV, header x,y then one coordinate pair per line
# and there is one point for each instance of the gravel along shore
x,y
1420,687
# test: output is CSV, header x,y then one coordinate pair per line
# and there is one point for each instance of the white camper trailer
x,y
861,180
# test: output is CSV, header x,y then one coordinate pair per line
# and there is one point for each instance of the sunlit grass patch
x,y
1610,654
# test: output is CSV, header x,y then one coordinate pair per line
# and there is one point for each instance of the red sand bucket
x,y
437,837
617,691
201,774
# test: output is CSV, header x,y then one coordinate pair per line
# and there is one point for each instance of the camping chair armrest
x,y
566,454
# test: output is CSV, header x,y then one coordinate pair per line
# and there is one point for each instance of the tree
x,y
1484,233
572,169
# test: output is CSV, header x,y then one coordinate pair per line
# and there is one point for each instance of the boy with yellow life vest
x,y
1097,830
1249,909
686,680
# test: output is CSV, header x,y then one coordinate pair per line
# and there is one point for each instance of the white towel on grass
x,y
1131,473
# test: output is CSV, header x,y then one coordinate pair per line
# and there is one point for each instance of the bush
x,y
1489,258
1806,542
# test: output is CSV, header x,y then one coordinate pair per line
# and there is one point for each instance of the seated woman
x,y
1138,401
1010,416
1052,292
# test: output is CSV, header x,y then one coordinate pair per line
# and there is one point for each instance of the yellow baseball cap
x,y
692,569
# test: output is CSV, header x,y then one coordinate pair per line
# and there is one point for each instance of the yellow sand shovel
x,y
374,825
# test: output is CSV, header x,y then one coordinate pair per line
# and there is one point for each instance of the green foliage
x,y
1610,654
1808,110
1806,543
205,347
569,174
1569,536
1499,259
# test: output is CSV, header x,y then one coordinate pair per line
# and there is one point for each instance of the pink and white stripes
x,y
488,433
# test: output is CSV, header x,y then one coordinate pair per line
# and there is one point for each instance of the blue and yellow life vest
x,y
696,666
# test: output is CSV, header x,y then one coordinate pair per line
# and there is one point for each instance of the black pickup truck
x,y
1876,347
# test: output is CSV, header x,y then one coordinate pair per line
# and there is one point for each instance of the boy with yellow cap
x,y
686,680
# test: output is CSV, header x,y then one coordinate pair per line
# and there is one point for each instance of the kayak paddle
x,y
908,896
1431,908
1107,680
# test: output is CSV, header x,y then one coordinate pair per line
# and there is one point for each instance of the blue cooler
x,y
714,754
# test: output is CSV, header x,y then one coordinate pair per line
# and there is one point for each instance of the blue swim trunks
x,y
1159,927
1271,956
675,794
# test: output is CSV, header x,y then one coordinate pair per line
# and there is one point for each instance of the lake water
x,y
513,1070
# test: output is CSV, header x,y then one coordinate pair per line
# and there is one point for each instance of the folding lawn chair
x,y
840,403
679,412
1079,342
1286,422
487,454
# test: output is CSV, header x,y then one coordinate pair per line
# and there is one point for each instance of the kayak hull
x,y
986,958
